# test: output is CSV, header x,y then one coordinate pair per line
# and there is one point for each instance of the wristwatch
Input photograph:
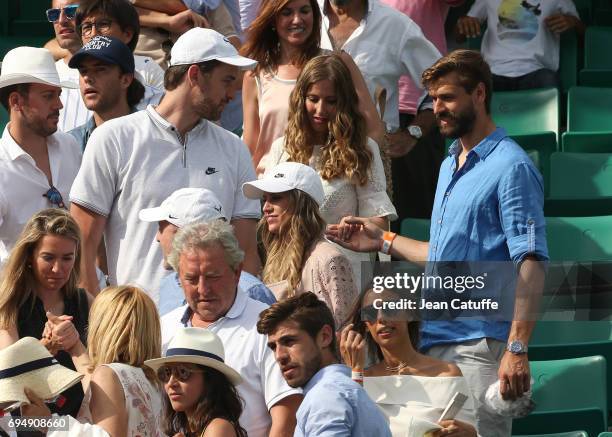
x,y
516,347
415,131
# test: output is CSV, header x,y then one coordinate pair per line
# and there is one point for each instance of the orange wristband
x,y
387,241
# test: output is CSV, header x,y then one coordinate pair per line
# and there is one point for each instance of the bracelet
x,y
387,241
357,376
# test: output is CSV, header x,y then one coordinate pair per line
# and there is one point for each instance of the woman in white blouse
x,y
327,131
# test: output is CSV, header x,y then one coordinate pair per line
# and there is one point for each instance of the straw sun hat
x,y
27,363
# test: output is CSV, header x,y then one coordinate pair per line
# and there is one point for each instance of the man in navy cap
x,y
107,82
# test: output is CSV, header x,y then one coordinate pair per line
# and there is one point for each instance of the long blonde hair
x,y
18,282
346,152
123,328
286,249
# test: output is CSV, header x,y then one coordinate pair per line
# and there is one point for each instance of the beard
x,y
309,368
458,123
41,126
209,109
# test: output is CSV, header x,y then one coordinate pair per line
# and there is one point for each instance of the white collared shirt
x,y
247,352
23,183
386,45
135,162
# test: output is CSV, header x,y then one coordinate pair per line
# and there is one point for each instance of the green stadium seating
x,y
587,142
580,175
568,61
597,69
10,42
415,228
3,118
605,434
568,394
589,109
579,238
558,434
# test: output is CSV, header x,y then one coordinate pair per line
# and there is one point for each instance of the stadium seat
x,y
579,238
568,61
597,69
568,394
587,142
589,109
417,229
558,434
3,118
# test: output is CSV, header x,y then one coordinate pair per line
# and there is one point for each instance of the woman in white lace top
x,y
298,258
327,131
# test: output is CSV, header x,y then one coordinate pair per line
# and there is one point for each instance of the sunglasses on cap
x,y
69,11
55,197
181,373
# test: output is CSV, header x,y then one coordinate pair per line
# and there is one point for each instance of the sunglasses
x,y
55,197
181,373
69,11
371,314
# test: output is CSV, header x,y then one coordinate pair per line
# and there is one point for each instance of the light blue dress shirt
x,y
336,406
172,296
491,209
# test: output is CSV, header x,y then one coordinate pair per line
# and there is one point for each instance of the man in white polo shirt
x,y
209,261
37,163
135,162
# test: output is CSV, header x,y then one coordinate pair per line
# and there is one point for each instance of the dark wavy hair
x,y
219,400
262,43
120,11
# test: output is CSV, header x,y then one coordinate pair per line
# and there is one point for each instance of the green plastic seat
x,y
605,434
568,60
417,229
557,434
589,109
587,142
597,69
4,118
580,175
527,112
579,238
569,394
10,42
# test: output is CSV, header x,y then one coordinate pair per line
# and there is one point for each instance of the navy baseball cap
x,y
107,49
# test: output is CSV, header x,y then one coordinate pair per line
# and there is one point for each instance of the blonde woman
x,y
124,397
327,132
39,280
298,258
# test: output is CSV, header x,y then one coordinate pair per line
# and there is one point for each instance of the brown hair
x,y
22,88
121,12
346,152
262,43
306,310
174,75
18,281
470,67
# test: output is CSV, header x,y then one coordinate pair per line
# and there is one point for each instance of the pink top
x,y
430,16
273,98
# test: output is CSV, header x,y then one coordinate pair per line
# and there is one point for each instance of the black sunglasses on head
x,y
54,14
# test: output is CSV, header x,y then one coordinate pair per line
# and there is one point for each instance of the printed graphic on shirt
x,y
518,20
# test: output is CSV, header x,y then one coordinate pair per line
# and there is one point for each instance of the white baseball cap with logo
x,y
201,45
185,206
31,65
287,176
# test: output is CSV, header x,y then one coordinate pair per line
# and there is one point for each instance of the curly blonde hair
x,y
346,152
286,249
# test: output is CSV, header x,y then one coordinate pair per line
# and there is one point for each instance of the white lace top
x,y
142,400
343,197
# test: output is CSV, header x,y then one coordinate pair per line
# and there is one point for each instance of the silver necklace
x,y
396,369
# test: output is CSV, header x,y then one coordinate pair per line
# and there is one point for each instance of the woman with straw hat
x,y
201,395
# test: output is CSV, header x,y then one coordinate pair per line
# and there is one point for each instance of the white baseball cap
x,y
285,177
185,206
31,65
201,45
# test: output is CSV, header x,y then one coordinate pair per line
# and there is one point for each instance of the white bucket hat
x,y
287,176
27,363
31,65
185,206
201,45
196,346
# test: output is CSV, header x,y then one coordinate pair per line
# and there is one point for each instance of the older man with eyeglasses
x,y
37,163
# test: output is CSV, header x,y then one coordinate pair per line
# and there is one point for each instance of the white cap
x,y
185,206
284,177
31,65
201,45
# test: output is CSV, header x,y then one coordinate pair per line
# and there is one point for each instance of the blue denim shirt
x,y
171,295
489,210
336,406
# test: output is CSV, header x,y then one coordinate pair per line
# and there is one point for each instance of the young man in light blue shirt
x,y
302,336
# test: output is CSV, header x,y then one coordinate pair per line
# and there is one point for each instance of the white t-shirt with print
x,y
136,162
517,40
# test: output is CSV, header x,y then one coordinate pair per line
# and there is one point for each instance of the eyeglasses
x,y
102,26
55,197
69,11
181,373
371,314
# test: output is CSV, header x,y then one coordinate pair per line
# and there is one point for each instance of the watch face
x,y
415,131
516,347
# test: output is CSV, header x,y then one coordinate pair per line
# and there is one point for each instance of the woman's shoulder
x,y
326,250
219,427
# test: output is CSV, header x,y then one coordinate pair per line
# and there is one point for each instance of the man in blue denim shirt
x,y
488,207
